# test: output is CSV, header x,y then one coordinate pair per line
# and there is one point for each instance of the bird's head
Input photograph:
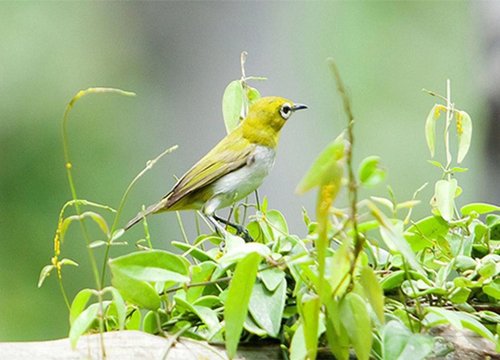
x,y
266,117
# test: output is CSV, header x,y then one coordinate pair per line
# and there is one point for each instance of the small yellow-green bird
x,y
234,168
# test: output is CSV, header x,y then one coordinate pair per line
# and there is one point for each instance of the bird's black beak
x,y
296,107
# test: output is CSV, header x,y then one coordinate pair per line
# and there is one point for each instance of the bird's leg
x,y
239,229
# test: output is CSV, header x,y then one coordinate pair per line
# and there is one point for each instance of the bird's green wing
x,y
228,155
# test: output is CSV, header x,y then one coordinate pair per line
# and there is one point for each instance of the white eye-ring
x,y
286,111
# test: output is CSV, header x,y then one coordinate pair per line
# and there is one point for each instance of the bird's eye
x,y
286,111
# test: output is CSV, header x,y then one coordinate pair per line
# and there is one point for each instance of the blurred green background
x,y
178,57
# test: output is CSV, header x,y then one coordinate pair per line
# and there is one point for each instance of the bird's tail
x,y
141,215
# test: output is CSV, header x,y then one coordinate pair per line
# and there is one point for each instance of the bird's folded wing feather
x,y
227,156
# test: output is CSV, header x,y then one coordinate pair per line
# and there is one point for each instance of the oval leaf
x,y
370,173
480,208
232,103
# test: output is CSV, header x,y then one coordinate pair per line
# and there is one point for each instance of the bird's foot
x,y
240,230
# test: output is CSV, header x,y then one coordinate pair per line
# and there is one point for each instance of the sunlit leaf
x,y
309,311
445,193
356,320
480,208
79,303
232,104
83,322
155,265
464,132
340,268
140,293
392,234
45,273
430,127
121,308
326,168
373,291
236,306
369,171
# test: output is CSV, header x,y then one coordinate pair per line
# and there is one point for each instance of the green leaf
x,y
47,269
480,208
336,334
399,343
79,303
420,234
340,269
236,253
98,219
430,128
326,168
444,196
392,234
236,306
356,320
466,321
267,307
464,131
253,94
309,312
493,289
154,265
232,104
369,171
150,325
140,293
82,323
194,251
251,326
277,223
460,295
199,273
298,349
205,314
121,308
133,320
272,277
373,291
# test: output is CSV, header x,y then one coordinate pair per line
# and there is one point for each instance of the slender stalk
x,y
149,166
352,182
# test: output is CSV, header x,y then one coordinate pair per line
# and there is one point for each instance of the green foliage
x,y
367,278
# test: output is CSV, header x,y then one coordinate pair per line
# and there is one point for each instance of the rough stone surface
x,y
131,345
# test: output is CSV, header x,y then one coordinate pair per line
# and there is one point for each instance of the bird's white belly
x,y
239,183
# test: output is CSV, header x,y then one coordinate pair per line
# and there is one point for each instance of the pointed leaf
x,y
309,311
79,303
445,192
480,208
236,306
267,307
47,269
82,323
373,291
121,308
356,320
430,128
464,131
369,171
326,167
